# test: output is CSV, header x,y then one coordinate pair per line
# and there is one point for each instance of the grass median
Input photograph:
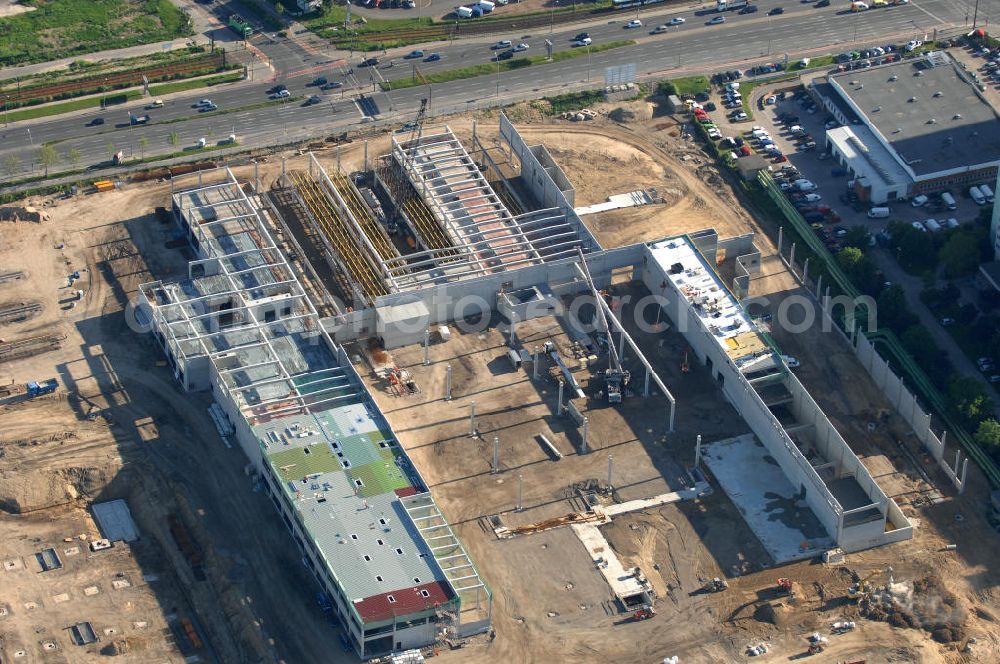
x,y
504,65
120,97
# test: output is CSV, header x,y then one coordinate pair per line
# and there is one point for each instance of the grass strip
x,y
131,95
504,65
689,85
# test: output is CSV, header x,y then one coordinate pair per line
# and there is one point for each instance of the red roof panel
x,y
408,600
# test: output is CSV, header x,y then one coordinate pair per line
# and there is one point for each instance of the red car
x,y
745,150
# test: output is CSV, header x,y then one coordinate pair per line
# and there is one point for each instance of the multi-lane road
x,y
691,47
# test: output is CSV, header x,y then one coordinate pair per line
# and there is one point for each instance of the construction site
x,y
458,391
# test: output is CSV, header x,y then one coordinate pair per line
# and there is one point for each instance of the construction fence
x,y
894,386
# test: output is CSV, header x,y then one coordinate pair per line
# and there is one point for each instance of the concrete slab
x,y
623,582
786,527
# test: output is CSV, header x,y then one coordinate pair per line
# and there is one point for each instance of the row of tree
x,y
49,157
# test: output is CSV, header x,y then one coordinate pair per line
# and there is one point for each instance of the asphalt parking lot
x,y
815,166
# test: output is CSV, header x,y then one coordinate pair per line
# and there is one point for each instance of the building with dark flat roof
x,y
912,127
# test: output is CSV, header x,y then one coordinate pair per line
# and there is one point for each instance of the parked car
x,y
586,41
503,43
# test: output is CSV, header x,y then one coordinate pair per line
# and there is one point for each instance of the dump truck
x,y
30,390
38,388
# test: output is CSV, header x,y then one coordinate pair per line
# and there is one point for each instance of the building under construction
x,y
426,235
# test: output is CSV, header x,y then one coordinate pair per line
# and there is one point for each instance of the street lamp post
x,y
588,63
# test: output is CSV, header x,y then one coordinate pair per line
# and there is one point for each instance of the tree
x,y
174,138
111,150
857,236
969,400
988,434
918,340
893,310
48,157
280,8
914,249
11,164
143,144
73,156
859,269
960,255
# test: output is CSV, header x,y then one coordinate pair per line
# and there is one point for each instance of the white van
x,y
949,200
977,195
987,192
918,201
878,213
952,222
932,225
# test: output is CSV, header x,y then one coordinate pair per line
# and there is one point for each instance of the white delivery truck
x,y
987,192
726,5
878,213
977,195
949,200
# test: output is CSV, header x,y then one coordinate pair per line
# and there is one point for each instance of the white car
x,y
740,117
658,30
770,100
717,20
503,43
203,102
919,226
281,94
586,41
813,198
912,45
790,361
521,47
634,23
677,20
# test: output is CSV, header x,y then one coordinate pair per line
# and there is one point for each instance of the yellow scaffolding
x,y
419,214
376,234
357,264
429,228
